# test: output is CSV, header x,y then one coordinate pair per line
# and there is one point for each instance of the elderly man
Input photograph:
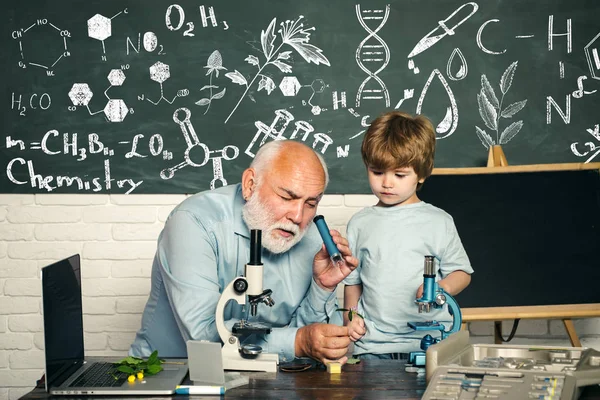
x,y
205,244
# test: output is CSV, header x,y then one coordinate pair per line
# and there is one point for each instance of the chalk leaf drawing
x,y
213,65
490,109
291,33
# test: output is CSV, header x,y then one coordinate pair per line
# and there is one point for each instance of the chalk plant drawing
x,y
214,65
292,33
491,111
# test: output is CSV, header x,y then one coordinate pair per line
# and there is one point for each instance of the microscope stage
x,y
248,328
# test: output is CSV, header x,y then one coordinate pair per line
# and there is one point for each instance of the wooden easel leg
x,y
571,332
497,328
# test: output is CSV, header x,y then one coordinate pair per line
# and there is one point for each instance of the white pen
x,y
185,389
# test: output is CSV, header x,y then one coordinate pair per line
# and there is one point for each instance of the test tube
x,y
334,253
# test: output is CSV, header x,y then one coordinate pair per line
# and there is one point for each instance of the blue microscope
x,y
436,297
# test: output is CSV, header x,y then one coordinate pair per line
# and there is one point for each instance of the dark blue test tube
x,y
332,249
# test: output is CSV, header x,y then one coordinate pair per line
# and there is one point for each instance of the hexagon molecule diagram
x,y
115,110
289,86
80,94
160,72
100,28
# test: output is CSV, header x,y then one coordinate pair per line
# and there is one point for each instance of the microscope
x,y
433,297
243,290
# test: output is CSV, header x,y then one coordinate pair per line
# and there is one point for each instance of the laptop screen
x,y
63,319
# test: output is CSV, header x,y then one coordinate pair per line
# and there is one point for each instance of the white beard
x,y
257,216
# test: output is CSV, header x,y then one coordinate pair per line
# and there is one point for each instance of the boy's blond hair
x,y
398,140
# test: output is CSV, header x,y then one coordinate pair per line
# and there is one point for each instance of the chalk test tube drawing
x,y
213,65
292,33
115,110
491,111
278,127
442,30
197,154
374,51
450,121
592,146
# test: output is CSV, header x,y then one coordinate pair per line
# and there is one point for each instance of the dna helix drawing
x,y
373,51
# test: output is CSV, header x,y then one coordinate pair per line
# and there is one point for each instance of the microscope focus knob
x,y
240,285
440,299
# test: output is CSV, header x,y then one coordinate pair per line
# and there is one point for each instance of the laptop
x,y
68,371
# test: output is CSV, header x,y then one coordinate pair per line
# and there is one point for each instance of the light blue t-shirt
x,y
204,245
391,244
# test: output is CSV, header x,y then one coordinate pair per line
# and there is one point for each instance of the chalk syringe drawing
x,y
214,65
292,33
490,109
441,31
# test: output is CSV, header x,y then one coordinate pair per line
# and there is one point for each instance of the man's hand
x,y
356,328
323,342
326,274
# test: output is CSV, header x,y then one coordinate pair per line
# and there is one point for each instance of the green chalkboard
x,y
134,96
532,237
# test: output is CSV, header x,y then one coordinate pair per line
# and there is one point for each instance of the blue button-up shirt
x,y
204,245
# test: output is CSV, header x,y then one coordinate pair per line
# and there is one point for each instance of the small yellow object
x,y
131,378
140,375
334,368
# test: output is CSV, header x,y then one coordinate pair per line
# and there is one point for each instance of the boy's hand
x,y
325,273
356,328
420,292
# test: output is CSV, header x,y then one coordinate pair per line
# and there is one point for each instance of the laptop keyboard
x,y
100,374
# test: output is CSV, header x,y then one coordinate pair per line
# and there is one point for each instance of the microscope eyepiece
x,y
255,247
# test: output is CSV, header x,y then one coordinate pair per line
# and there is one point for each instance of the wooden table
x,y
371,379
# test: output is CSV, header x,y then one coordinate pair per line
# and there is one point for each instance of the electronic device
x,y
68,370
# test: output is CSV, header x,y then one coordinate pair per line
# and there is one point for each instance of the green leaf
x,y
154,369
350,315
126,369
130,360
153,357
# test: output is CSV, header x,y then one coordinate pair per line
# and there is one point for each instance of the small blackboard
x,y
532,237
137,96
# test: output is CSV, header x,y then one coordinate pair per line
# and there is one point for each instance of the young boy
x,y
392,238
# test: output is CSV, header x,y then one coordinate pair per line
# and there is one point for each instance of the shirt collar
x,y
240,226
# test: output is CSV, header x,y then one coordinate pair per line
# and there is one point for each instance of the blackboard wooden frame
x,y
564,312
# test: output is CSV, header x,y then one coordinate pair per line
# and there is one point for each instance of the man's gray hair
x,y
270,150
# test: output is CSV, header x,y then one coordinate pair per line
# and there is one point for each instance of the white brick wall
x,y
116,236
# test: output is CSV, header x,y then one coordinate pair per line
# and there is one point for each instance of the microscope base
x,y
263,362
416,358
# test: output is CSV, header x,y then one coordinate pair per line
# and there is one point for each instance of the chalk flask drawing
x,y
491,111
294,34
